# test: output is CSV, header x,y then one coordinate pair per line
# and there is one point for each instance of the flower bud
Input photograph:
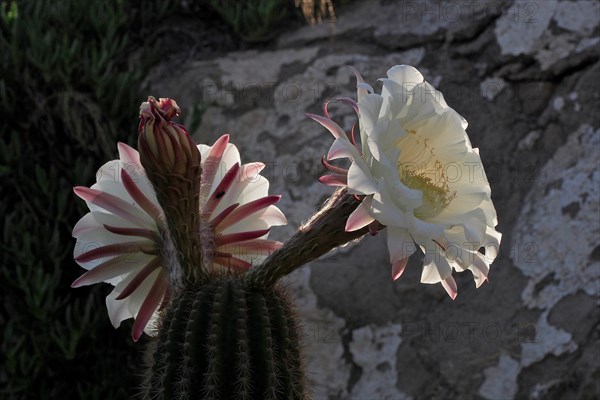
x,y
173,165
165,145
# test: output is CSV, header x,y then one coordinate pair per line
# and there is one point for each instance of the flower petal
x,y
369,108
384,210
150,304
249,191
400,244
349,101
211,164
405,74
148,205
248,176
334,180
112,268
129,155
361,87
342,148
247,210
360,217
398,268
112,204
221,189
480,269
328,124
140,277
360,180
265,219
216,221
119,310
112,250
239,237
435,268
450,285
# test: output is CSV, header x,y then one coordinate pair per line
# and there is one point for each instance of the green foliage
x,y
70,79
226,339
253,21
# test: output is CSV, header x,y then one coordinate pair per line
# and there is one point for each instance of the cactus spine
x,y
227,339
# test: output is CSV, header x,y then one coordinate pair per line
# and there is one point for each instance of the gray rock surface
x,y
526,76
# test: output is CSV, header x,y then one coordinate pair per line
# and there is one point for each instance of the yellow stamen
x,y
416,170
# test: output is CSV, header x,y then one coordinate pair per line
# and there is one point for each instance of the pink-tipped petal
x,y
221,189
223,214
139,278
342,148
113,250
333,168
349,101
398,268
328,124
250,171
273,216
213,162
129,155
480,269
150,304
450,285
353,140
334,180
368,89
138,232
246,210
480,280
140,198
102,272
248,176
359,80
222,240
360,217
110,203
326,108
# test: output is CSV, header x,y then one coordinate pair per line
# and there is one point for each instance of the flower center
x,y
419,169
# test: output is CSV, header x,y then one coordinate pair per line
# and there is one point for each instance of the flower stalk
x,y
323,232
173,165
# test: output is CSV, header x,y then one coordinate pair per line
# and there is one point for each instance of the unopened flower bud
x,y
165,145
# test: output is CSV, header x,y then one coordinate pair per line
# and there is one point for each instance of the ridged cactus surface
x,y
227,339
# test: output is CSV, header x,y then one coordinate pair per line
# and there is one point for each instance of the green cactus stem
x,y
227,339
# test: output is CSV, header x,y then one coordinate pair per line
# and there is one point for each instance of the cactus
x,y
227,339
236,336
225,328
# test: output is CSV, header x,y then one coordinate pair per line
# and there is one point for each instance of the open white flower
x,y
419,176
125,241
